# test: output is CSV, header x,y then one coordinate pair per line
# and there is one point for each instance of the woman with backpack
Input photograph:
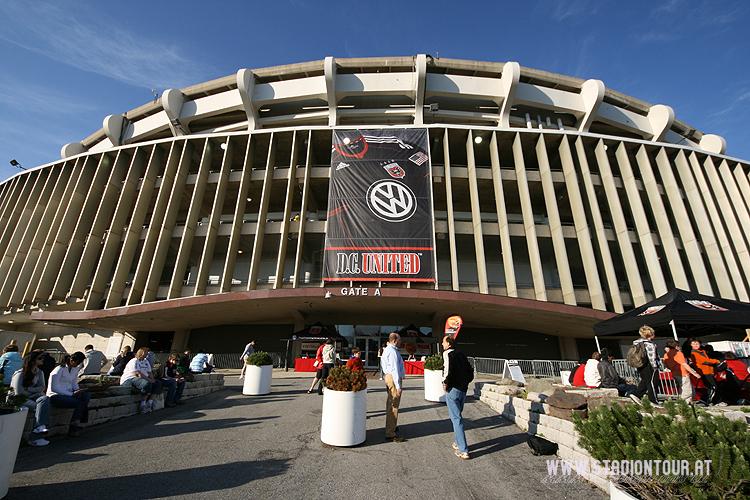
x,y
643,356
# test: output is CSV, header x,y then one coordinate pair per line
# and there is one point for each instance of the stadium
x,y
544,204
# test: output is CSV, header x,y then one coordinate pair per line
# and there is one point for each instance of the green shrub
x,y
9,402
344,379
434,362
259,358
681,433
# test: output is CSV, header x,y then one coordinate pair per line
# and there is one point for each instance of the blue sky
x,y
65,65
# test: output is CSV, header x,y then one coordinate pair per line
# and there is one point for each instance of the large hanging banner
x,y
380,207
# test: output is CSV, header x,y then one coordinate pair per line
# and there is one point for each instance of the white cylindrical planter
x,y
257,380
11,429
433,386
344,419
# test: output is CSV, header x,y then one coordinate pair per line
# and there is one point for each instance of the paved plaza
x,y
233,446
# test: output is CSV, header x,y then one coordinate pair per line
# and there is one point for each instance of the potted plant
x,y
343,422
258,374
12,421
433,378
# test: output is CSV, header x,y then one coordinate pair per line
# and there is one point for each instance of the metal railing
x,y
537,368
545,368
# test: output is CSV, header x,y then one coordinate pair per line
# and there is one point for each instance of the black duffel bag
x,y
540,446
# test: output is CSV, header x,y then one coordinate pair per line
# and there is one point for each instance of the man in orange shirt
x,y
675,361
355,362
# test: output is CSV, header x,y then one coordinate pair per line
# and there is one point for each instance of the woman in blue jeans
x,y
63,391
457,374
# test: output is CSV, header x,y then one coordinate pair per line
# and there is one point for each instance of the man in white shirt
x,y
392,365
94,361
591,375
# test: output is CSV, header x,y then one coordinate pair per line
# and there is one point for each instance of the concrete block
x,y
566,426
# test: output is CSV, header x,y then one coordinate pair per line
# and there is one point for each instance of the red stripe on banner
x,y
424,280
378,248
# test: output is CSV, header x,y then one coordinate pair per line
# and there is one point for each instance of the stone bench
x,y
118,402
533,417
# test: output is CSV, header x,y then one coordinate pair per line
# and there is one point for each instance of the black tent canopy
x,y
691,312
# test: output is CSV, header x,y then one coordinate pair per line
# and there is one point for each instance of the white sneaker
x,y
635,399
39,442
42,429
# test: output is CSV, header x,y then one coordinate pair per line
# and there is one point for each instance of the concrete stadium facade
x,y
557,203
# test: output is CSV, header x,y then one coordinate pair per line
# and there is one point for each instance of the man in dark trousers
x,y
457,374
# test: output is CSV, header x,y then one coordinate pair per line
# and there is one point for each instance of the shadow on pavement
x,y
497,444
380,413
43,461
157,484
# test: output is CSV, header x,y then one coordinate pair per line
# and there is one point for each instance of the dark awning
x,y
691,311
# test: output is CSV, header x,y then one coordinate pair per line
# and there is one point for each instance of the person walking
x,y
249,349
650,368
392,365
329,358
318,365
457,374
94,361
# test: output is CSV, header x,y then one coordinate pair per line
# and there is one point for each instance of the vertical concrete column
x,y
583,235
20,280
733,190
83,228
180,340
529,225
11,196
89,257
168,224
157,216
31,205
449,207
111,245
303,213
710,245
17,207
262,214
645,237
601,236
511,289
10,277
621,229
135,228
286,219
329,70
727,212
743,182
568,348
18,248
555,227
191,222
685,229
52,230
65,230
420,67
662,221
476,216
239,215
207,256
721,235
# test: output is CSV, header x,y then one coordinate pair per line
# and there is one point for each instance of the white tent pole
x,y
596,339
674,330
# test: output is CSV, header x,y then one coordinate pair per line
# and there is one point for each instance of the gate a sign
x,y
380,221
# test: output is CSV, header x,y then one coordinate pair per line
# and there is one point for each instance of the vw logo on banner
x,y
391,201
